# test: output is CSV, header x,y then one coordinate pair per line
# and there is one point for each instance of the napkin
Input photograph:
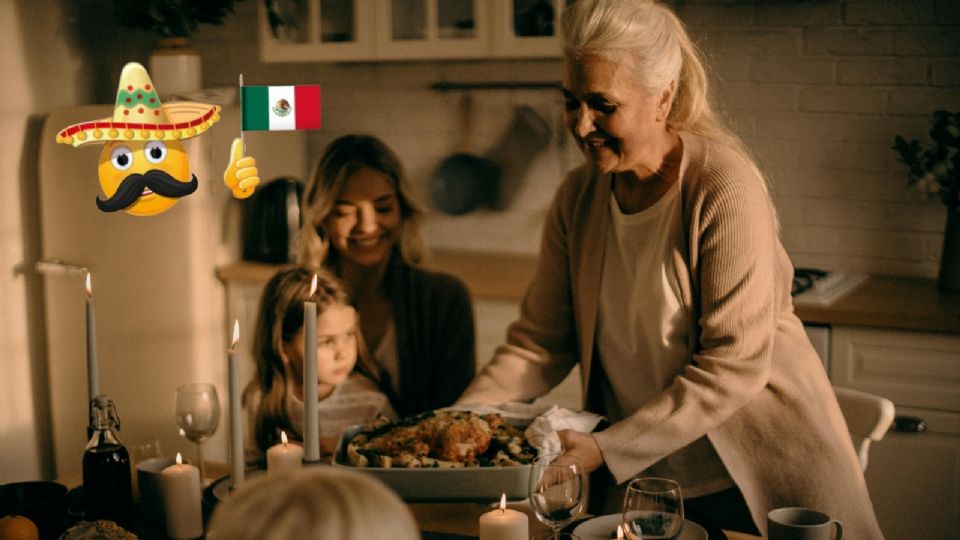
x,y
543,421
542,431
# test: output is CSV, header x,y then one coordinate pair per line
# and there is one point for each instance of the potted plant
x,y
935,170
174,66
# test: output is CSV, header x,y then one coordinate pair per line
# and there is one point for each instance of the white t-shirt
x,y
643,331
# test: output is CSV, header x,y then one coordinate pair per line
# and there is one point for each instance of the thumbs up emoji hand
x,y
241,175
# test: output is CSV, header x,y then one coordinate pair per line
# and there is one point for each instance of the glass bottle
x,y
107,493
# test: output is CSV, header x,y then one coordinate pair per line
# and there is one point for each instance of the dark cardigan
x,y
436,345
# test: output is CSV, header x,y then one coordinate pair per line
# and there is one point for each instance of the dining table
x,y
436,520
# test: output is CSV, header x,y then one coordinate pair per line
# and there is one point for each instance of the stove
x,y
812,286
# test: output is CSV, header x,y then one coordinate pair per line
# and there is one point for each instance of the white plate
x,y
600,527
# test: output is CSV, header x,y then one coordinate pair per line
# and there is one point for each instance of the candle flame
x,y
283,437
503,502
313,285
88,286
619,532
236,333
179,459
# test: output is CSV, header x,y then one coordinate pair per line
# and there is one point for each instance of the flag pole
x,y
242,142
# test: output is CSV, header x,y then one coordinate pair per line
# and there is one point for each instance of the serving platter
x,y
467,484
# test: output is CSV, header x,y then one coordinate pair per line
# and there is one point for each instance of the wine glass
x,y
556,490
653,507
198,413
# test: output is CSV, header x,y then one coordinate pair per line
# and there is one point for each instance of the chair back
x,y
868,418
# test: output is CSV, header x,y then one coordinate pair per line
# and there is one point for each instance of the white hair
x,y
650,40
660,51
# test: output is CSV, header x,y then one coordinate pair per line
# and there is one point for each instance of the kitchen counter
x,y
903,303
906,303
498,276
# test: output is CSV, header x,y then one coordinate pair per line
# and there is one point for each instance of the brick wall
x,y
817,89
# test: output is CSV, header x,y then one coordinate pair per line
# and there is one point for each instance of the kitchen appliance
x,y
271,222
812,286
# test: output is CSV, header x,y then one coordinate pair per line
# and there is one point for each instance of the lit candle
x,y
93,371
284,456
504,523
311,418
181,500
236,414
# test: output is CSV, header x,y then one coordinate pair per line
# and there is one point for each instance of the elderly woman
x,y
361,221
661,273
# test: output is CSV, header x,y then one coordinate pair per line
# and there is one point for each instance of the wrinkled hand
x,y
582,446
241,176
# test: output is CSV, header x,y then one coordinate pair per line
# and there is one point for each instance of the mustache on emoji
x,y
157,181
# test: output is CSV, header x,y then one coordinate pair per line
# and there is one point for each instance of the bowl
x,y
45,503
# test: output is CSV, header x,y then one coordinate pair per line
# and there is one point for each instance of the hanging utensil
x,y
464,181
524,138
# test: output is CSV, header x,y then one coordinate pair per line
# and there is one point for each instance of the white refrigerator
x,y
160,310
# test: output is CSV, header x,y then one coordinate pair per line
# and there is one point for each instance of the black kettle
x,y
271,222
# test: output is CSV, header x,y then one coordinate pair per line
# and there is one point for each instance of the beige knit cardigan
x,y
754,384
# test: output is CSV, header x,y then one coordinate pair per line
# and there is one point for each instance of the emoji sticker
x,y
143,169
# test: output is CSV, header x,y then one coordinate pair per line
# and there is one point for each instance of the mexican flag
x,y
276,108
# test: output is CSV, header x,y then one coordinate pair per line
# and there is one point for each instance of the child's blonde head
x,y
319,502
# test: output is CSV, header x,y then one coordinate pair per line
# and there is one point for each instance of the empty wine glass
x,y
556,490
653,507
198,414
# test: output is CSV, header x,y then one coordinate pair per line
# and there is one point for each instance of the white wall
x,y
28,33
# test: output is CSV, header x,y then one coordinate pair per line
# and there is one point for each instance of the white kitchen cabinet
x,y
521,28
317,30
913,477
435,29
385,30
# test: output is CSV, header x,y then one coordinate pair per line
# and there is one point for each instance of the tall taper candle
x,y
93,369
311,419
236,413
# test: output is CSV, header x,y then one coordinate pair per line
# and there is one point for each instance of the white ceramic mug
x,y
796,523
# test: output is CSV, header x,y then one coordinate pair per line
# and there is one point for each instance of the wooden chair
x,y
868,418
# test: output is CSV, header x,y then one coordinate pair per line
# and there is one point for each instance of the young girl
x,y
346,378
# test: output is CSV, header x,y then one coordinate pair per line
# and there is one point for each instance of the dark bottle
x,y
107,493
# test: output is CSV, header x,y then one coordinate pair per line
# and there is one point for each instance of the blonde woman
x,y
661,274
361,222
314,503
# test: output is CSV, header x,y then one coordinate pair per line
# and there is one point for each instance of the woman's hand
x,y
582,446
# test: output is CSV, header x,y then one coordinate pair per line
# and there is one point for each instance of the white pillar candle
x,y
181,500
236,412
504,523
93,369
284,456
311,418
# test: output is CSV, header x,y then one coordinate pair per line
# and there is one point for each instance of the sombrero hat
x,y
139,116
